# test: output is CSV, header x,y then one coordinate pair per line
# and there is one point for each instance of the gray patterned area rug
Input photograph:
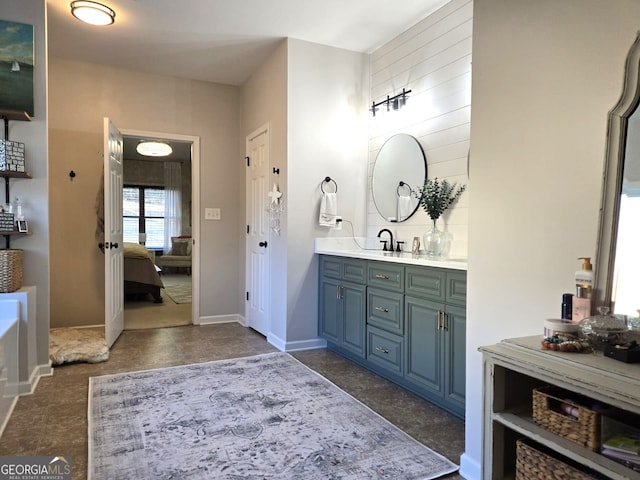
x,y
179,293
262,417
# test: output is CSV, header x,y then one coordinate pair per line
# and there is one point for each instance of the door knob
x,y
262,244
107,245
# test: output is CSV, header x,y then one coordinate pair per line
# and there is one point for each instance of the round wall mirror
x,y
400,168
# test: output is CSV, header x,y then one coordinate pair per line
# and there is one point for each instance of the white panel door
x,y
257,247
113,247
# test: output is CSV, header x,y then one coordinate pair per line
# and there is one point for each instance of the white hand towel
x,y
328,209
405,207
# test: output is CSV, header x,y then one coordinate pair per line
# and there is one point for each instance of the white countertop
x,y
348,247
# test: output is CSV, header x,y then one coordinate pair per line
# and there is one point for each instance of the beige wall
x,y
264,101
80,95
328,126
314,98
545,75
34,192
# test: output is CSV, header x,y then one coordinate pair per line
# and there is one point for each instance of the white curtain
x,y
172,202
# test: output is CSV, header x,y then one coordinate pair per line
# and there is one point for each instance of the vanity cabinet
x,y
435,315
343,303
514,367
413,320
385,317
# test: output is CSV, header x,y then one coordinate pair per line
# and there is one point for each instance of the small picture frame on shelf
x,y
415,247
22,226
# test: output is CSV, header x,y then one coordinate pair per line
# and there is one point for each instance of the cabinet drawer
x,y
330,266
349,269
426,282
385,349
385,310
354,270
384,275
457,288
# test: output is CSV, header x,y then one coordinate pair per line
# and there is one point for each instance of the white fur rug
x,y
67,345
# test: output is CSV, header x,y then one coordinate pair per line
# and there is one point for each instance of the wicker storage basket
x,y
550,411
10,270
532,464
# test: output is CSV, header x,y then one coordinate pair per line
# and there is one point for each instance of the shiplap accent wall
x,y
433,60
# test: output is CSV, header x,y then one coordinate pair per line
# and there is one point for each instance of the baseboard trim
x,y
29,386
469,468
297,345
7,416
45,370
216,319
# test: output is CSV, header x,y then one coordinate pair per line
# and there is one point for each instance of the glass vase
x,y
433,241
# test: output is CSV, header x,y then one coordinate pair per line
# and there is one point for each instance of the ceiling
x,y
222,41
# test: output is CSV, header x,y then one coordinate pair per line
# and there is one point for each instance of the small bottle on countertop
x,y
581,303
567,306
584,276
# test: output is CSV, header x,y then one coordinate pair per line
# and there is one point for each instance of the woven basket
x,y
550,405
10,270
532,464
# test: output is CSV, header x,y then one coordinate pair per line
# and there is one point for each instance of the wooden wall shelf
x,y
9,174
15,115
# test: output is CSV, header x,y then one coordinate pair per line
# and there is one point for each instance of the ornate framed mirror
x,y
618,254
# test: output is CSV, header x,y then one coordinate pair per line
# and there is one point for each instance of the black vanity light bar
x,y
396,102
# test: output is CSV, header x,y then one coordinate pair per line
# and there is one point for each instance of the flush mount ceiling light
x,y
152,148
93,13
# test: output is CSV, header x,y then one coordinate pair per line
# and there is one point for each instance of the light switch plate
x,y
212,214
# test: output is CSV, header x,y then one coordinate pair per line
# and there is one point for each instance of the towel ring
x,y
403,184
327,180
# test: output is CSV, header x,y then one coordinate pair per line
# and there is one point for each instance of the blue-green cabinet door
x,y
423,365
455,357
330,312
354,300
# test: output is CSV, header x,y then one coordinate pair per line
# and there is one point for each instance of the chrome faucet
x,y
384,242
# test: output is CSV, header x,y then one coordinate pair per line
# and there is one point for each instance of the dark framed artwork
x,y
16,66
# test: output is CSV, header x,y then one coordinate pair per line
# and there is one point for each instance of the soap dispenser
x,y
581,305
584,276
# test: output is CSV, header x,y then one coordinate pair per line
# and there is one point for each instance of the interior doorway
x,y
258,234
160,216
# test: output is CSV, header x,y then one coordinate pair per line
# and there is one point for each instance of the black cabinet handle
x,y
262,244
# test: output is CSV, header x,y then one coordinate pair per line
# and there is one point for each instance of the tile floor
x,y
53,421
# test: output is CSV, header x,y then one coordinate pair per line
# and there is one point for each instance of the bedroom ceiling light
x,y
93,13
152,148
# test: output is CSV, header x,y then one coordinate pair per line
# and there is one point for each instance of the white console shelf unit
x,y
514,367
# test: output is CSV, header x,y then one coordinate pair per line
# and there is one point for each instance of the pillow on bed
x,y
135,250
180,246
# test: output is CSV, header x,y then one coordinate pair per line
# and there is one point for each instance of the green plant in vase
x,y
435,197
